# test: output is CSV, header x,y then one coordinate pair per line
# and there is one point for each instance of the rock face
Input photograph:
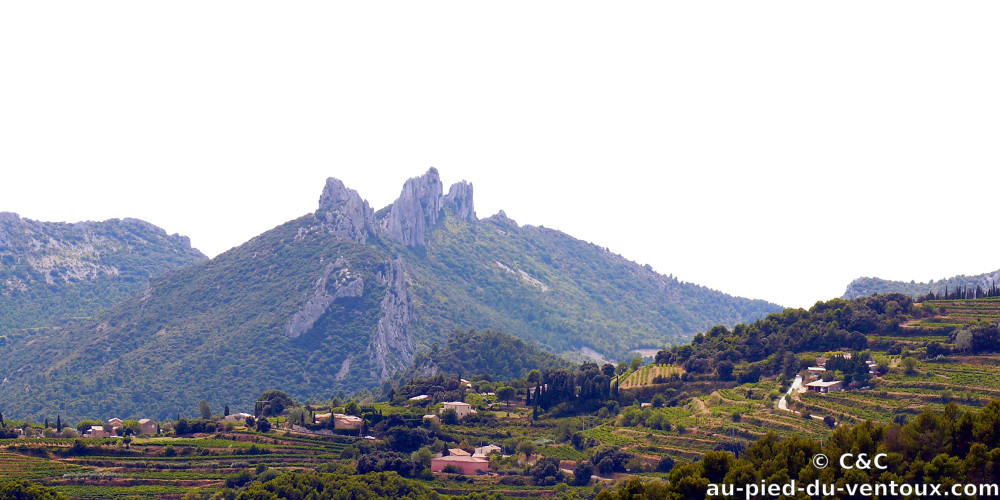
x,y
459,201
345,285
392,346
417,209
343,212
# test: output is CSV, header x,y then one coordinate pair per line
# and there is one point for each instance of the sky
x,y
773,150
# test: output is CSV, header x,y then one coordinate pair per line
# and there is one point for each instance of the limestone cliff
x,y
459,201
417,208
392,346
343,212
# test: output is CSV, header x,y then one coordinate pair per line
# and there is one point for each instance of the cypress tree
x,y
59,422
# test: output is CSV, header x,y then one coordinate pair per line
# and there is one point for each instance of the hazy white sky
x,y
774,150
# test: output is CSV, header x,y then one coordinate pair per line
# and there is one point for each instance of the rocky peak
x,y
417,208
344,213
459,200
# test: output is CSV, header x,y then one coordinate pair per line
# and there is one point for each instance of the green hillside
x,y
489,353
50,271
863,287
346,298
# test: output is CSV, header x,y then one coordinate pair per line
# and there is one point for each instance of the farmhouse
x,y
432,419
237,417
349,422
485,451
147,426
465,464
97,431
115,423
462,410
825,387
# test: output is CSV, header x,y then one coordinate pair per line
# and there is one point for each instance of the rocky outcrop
x,y
344,213
345,285
416,210
391,348
459,201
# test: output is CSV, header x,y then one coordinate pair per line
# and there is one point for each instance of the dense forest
x,y
769,346
487,352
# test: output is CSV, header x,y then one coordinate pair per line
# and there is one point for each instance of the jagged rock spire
x,y
344,213
459,200
417,208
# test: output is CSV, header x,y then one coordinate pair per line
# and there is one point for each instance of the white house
x,y
462,410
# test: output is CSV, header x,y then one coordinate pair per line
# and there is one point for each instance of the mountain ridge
x,y
866,286
345,298
53,270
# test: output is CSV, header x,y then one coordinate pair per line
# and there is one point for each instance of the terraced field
x,y
645,375
954,314
159,467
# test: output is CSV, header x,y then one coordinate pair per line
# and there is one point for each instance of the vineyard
x,y
953,314
158,467
647,375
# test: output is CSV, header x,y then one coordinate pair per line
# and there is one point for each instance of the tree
x,y
582,473
352,408
225,411
724,370
449,417
505,393
263,425
204,410
635,364
58,422
272,403
526,447
910,365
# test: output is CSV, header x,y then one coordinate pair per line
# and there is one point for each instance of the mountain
x,y
54,270
345,298
863,287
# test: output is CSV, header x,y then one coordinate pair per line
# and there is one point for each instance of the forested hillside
x,y
344,299
863,287
50,271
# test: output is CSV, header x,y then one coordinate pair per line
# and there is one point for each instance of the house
x,y
458,452
147,426
817,370
464,464
825,387
462,410
115,423
432,419
349,422
485,451
323,417
419,398
237,417
97,431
